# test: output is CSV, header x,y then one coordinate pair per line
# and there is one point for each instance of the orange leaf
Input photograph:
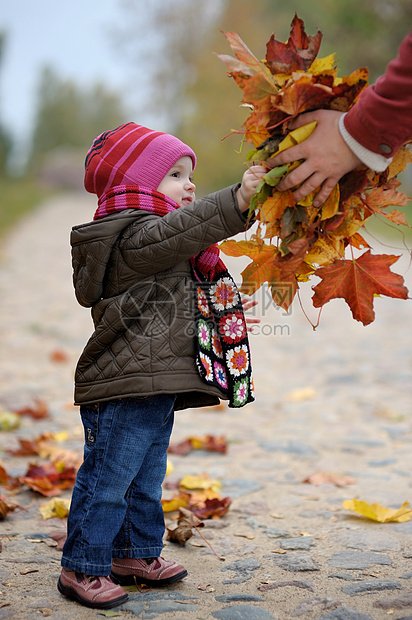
x,y
304,95
49,479
397,217
274,206
357,241
261,270
331,205
242,248
357,281
385,196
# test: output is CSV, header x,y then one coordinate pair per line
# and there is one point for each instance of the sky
x,y
73,37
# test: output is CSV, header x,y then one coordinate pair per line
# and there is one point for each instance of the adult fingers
x,y
324,192
314,181
301,174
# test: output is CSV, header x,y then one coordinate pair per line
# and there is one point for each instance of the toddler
x,y
169,333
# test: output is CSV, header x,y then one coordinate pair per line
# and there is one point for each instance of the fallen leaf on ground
x,y
45,446
329,477
50,478
9,482
37,410
379,513
206,442
177,502
169,467
200,495
299,394
206,587
184,529
199,483
6,506
280,551
9,421
213,508
59,356
56,507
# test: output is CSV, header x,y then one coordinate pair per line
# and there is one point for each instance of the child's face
x,y
178,184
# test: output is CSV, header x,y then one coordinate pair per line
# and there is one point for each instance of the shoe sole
x,y
71,593
131,580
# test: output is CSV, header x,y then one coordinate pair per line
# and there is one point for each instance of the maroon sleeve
x,y
381,120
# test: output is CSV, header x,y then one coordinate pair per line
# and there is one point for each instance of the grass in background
x,y
17,198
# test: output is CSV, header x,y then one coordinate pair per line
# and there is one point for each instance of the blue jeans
x,y
116,509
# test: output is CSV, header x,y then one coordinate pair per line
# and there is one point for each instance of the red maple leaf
x,y
298,53
357,281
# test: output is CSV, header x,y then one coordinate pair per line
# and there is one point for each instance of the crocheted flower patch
x,y
220,375
238,360
207,366
204,334
241,390
224,294
232,327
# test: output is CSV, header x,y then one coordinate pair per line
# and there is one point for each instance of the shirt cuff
x,y
374,161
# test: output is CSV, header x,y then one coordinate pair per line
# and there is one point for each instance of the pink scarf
x,y
136,197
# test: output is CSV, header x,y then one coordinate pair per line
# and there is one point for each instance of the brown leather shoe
x,y
98,592
149,571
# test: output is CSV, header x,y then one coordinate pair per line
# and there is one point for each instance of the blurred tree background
x,y
181,86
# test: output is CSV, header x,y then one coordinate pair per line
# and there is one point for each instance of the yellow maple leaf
x,y
379,513
322,65
56,507
325,250
170,505
199,482
296,136
400,161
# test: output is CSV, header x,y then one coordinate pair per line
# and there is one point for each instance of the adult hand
x,y
326,157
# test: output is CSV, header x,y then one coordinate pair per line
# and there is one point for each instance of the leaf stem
x,y
209,545
306,316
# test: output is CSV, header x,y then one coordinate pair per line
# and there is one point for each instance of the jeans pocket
x,y
90,419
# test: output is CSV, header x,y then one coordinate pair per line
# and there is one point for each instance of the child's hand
x,y
250,321
250,181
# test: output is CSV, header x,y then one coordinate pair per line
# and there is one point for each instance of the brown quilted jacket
x,y
133,270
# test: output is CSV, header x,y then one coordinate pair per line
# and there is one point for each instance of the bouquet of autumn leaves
x,y
296,241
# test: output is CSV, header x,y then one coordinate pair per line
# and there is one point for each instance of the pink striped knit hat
x,y
132,155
